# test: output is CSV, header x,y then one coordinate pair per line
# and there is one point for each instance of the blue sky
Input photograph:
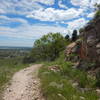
x,y
24,21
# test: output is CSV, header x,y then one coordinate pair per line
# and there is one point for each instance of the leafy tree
x,y
74,35
48,47
97,14
67,37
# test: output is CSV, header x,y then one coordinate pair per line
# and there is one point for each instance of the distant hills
x,y
14,47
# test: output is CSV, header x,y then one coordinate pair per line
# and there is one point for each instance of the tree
x,y
74,35
48,47
67,37
97,14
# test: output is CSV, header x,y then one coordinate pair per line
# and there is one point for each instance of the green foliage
x,y
81,30
98,79
67,37
28,59
58,85
74,35
48,47
97,14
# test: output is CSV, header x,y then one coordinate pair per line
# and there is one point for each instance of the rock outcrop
x,y
91,42
72,51
86,50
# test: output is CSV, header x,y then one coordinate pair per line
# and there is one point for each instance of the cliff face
x,y
91,42
86,50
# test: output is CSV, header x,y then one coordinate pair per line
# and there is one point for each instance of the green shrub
x,y
98,79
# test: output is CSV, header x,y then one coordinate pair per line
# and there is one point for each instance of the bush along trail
x,y
25,85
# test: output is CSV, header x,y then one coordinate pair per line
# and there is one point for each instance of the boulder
x,y
54,68
72,51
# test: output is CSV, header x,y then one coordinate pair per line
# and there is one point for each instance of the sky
x,y
24,21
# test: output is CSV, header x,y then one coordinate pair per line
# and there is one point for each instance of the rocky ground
x,y
25,85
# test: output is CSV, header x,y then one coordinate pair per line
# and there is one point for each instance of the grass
x,y
97,14
7,68
58,85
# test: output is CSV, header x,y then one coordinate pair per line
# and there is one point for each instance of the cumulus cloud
x,y
61,5
47,2
28,31
76,24
80,2
5,20
85,3
91,15
22,6
51,14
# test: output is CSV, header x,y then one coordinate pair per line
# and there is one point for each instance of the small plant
x,y
97,14
98,79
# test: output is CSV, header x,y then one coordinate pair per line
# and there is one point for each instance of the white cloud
x,y
80,2
91,15
61,5
16,42
32,32
27,31
93,2
47,2
5,20
22,7
76,24
2,11
85,3
51,14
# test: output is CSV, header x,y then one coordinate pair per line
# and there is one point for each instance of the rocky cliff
x,y
86,50
91,42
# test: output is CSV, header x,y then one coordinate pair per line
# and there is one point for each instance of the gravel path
x,y
25,85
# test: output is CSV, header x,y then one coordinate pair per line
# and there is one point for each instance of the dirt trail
x,y
24,85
